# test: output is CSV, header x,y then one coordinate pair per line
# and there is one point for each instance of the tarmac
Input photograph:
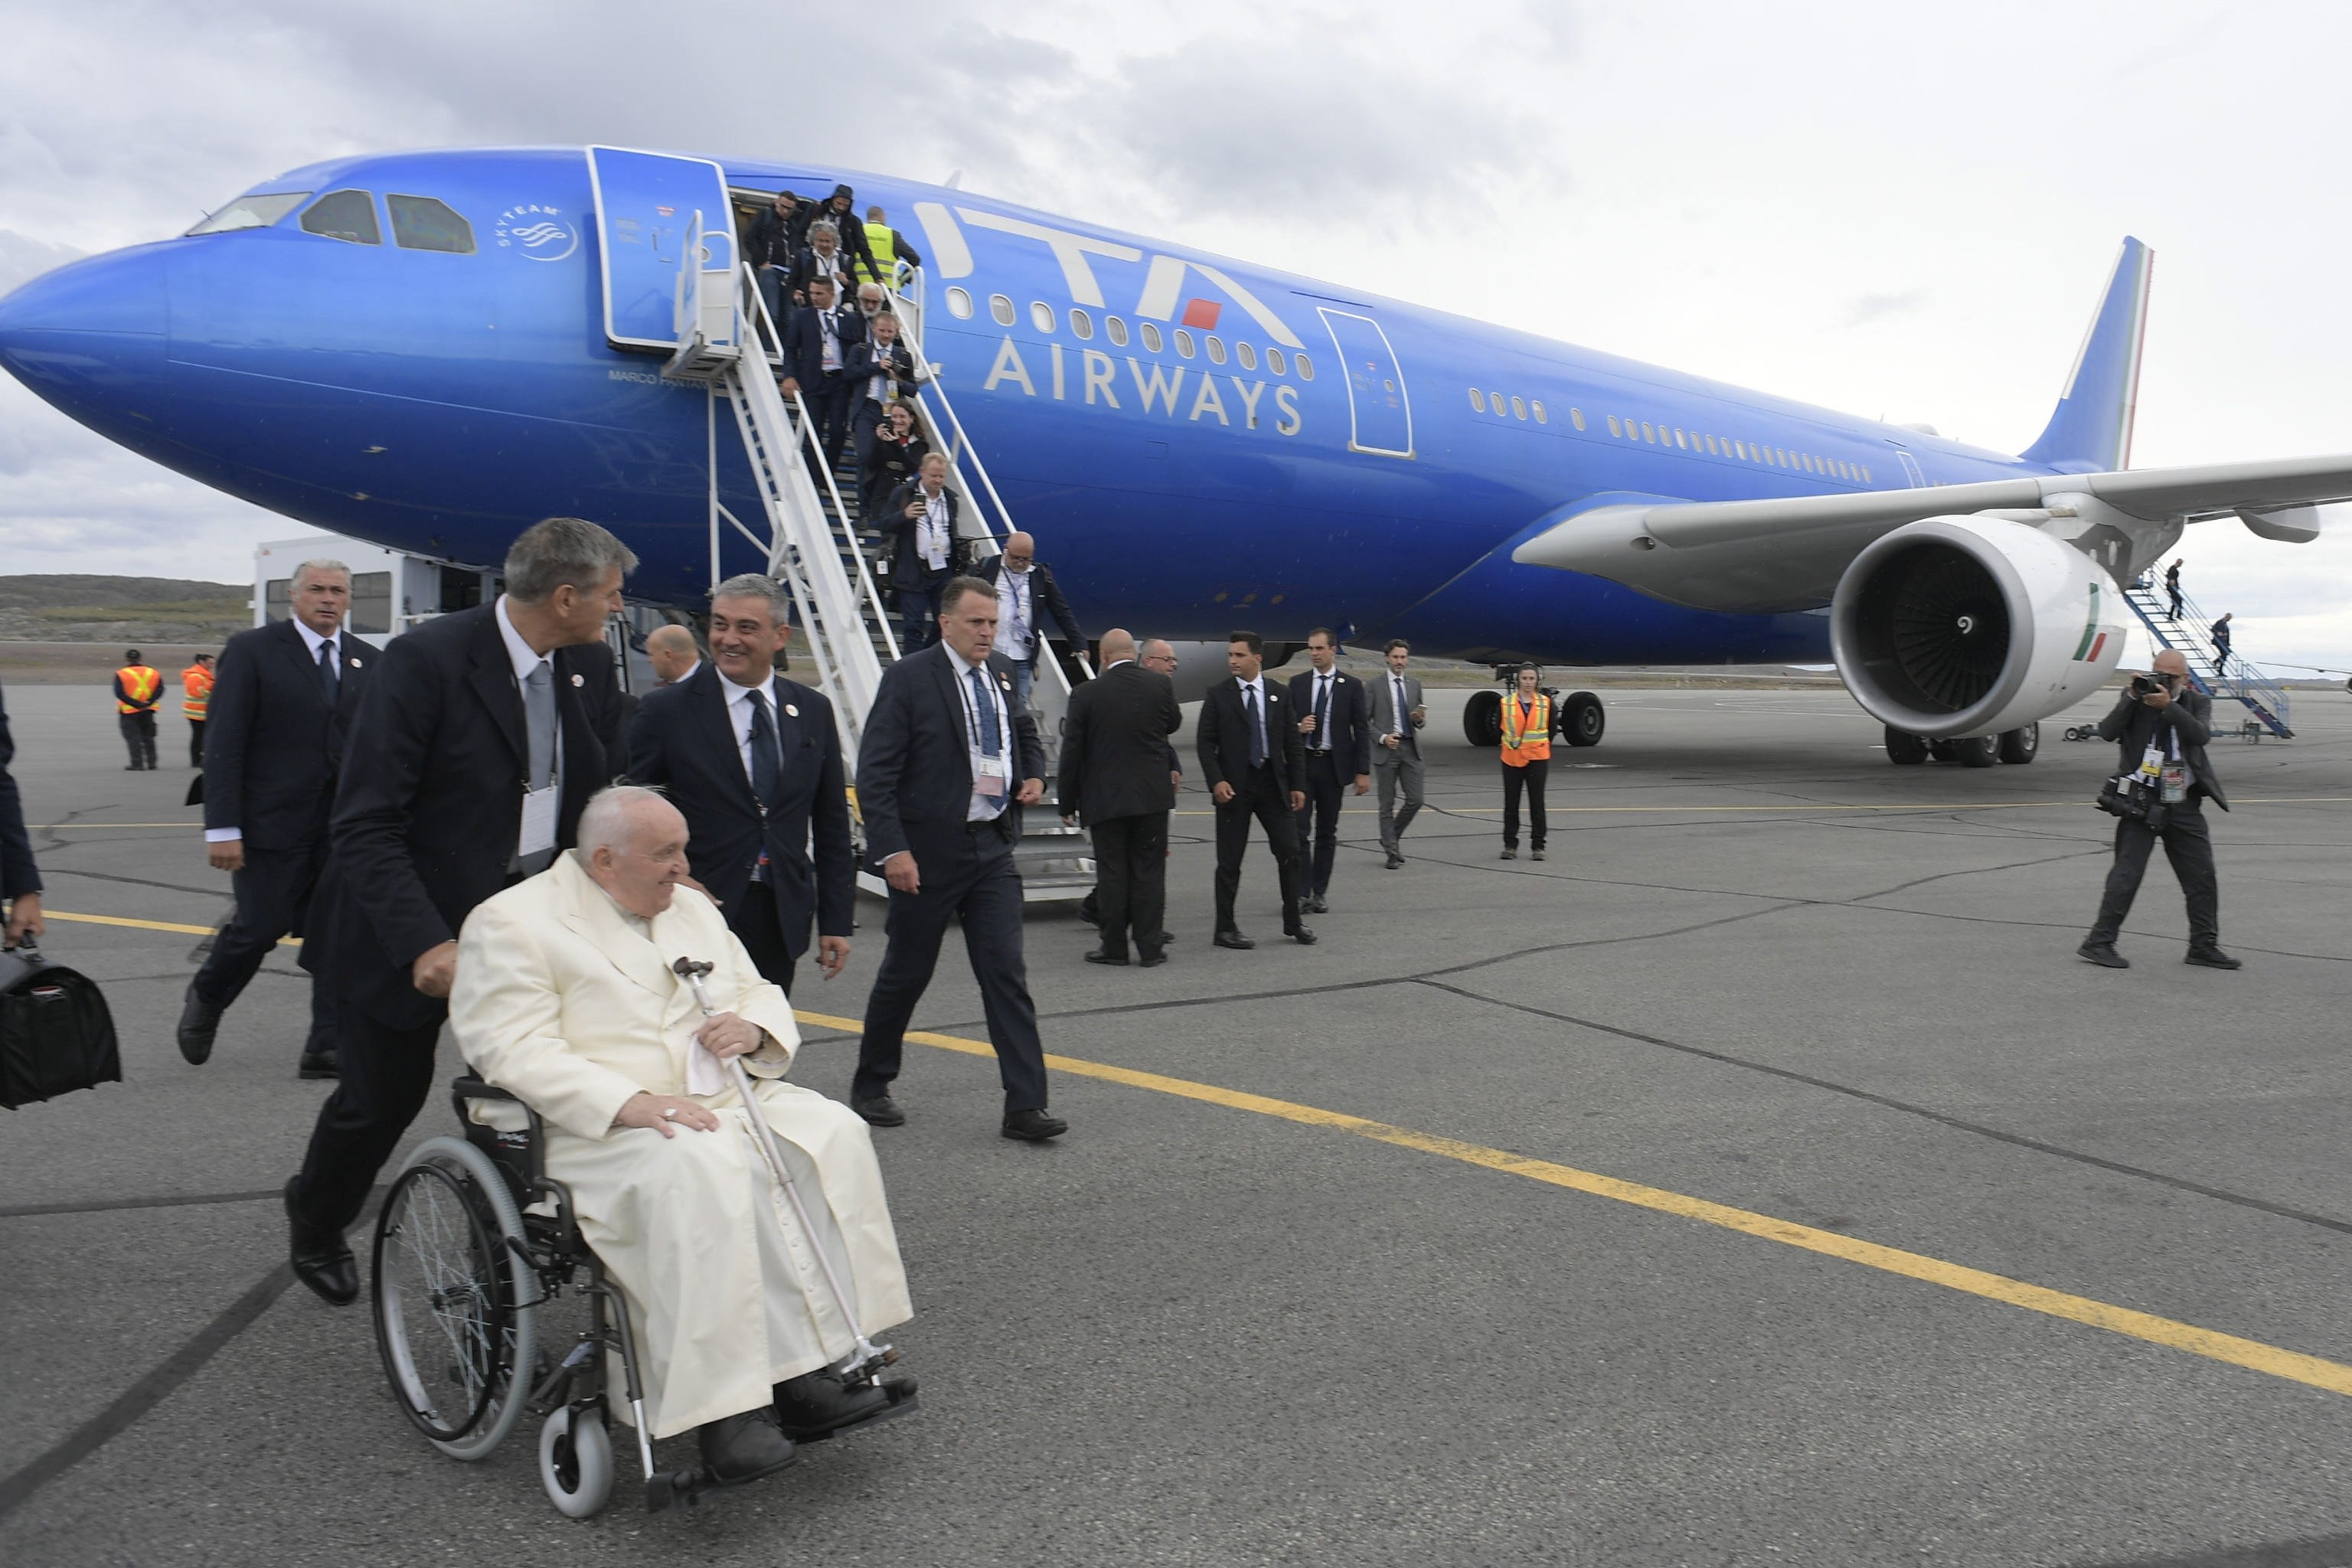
x,y
1759,1179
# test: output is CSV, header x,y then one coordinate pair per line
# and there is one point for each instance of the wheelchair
x,y
473,1239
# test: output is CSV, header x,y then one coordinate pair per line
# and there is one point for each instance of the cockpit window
x,y
422,223
347,215
252,212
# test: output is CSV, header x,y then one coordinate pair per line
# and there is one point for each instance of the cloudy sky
x,y
1899,210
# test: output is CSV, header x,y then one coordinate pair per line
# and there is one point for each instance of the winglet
x,y
2091,431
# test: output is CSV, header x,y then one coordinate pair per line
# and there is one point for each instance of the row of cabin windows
x,y
1745,451
418,223
1043,316
1518,408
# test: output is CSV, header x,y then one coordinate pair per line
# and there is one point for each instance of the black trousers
x,y
1257,796
919,609
195,743
753,919
387,1073
138,734
967,876
828,405
273,901
1132,879
864,419
1532,778
1321,816
2188,844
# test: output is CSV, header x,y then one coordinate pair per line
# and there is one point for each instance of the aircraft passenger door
x,y
1378,409
1918,480
645,202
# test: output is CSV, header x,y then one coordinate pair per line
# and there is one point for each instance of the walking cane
x,y
871,1357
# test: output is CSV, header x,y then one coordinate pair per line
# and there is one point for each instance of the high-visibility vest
x,y
884,245
1529,740
142,683
197,682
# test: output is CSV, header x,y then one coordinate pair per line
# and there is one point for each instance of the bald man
x,y
2160,725
1023,583
1115,776
671,651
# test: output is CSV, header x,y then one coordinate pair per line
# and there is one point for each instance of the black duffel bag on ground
x,y
56,1034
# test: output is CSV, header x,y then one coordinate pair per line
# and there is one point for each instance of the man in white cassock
x,y
565,997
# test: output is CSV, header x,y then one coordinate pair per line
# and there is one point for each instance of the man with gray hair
x,y
566,997
754,762
282,702
483,734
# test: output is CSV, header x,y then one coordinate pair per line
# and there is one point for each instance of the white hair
x,y
606,822
320,565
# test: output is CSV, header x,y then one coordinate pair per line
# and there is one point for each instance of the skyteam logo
x,y
541,233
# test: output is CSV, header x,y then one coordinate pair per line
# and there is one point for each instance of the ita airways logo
x,y
540,232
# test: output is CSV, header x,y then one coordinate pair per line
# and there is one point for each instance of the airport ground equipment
x,y
473,1242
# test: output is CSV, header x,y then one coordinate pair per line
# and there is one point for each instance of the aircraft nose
x,y
89,336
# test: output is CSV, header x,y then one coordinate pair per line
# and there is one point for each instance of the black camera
x,y
2142,685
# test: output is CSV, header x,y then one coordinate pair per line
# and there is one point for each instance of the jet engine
x,y
1956,627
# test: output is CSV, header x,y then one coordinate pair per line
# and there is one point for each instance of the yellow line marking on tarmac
x,y
2335,1377
151,925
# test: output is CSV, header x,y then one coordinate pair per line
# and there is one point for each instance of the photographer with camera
x,y
2161,724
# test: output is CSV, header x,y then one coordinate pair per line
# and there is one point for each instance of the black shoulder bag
x,y
56,1033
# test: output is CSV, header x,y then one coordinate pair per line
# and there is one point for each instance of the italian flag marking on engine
x,y
2093,638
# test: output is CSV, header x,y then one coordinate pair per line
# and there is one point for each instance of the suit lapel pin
x,y
791,711
579,680
353,663
1004,681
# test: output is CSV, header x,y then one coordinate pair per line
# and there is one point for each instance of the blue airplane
x,y
432,349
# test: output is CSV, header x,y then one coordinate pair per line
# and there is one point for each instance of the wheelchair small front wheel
x,y
575,1463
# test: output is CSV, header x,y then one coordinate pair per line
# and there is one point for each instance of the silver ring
x,y
671,1114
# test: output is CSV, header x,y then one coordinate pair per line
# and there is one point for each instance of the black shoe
x,y
1166,937
319,1064
1538,855
199,1020
1395,860
1089,911
1235,940
1510,853
2103,954
1034,1126
1104,955
880,1111
1151,960
816,1402
320,1258
2212,957
744,1447
1300,934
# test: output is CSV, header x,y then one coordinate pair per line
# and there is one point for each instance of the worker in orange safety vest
x,y
138,689
1526,758
197,689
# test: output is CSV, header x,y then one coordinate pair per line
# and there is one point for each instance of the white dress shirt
x,y
738,712
932,533
311,643
1016,605
1265,736
524,659
1320,702
984,806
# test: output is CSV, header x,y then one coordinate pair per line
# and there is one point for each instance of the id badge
x,y
538,809
2176,783
988,777
2151,765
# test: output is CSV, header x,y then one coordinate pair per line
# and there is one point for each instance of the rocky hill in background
x,y
78,608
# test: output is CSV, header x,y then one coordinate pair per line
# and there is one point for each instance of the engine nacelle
x,y
1952,626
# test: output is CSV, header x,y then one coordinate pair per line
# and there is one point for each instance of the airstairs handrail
x,y
2189,635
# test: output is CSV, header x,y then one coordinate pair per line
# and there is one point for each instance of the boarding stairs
x,y
2190,634
815,543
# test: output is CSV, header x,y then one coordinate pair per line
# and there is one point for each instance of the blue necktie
x,y
331,678
1257,726
766,775
983,717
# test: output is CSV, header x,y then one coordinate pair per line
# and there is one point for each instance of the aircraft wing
x,y
1787,553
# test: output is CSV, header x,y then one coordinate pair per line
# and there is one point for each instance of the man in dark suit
x,y
20,880
280,704
948,761
918,536
881,372
483,734
817,344
754,764
1025,594
2161,724
1252,757
1334,715
1115,775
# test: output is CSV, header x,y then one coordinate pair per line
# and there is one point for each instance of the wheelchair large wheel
x,y
575,1463
454,1299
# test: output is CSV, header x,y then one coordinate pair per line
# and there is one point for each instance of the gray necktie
x,y
539,715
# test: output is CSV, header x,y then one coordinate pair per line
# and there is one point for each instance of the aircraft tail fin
x,y
2092,429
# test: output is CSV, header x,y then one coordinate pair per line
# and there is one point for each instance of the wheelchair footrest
x,y
896,1408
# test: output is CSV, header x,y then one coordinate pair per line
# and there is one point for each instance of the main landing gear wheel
x,y
1905,749
1482,719
2020,745
575,1462
1977,751
1581,718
